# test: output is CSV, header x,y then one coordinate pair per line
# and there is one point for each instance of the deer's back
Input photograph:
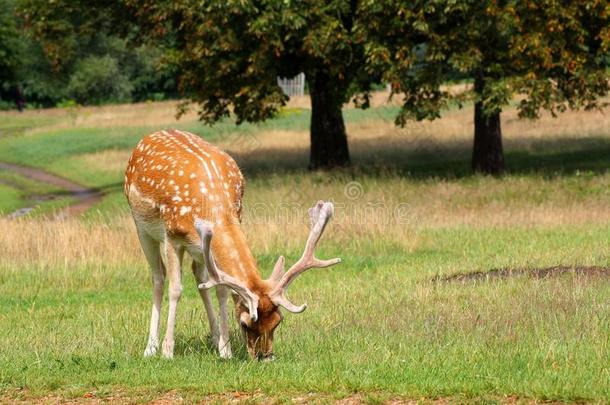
x,y
174,177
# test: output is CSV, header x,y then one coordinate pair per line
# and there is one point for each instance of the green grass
x,y
11,199
379,326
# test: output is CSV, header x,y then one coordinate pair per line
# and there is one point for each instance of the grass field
x,y
388,323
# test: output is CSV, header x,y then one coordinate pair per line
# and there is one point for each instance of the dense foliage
x,y
225,56
230,53
53,52
553,54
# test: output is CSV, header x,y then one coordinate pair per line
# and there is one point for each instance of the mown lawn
x,y
385,324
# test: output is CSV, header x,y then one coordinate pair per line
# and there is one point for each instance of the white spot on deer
x,y
180,172
184,209
192,176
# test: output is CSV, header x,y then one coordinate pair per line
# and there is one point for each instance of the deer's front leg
x,y
173,264
224,345
201,276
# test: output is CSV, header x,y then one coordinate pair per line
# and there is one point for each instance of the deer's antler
x,y
319,215
219,277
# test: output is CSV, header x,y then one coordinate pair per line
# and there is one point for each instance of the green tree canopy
x,y
69,50
229,54
552,54
11,50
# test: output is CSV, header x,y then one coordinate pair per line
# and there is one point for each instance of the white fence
x,y
293,87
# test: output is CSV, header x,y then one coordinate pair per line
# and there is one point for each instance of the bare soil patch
x,y
174,397
536,273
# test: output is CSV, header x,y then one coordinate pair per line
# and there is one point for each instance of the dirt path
x,y
85,197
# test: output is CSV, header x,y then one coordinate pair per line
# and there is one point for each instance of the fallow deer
x,y
186,195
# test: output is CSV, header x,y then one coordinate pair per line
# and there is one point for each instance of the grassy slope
x,y
377,324
11,199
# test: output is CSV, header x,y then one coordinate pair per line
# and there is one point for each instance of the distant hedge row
x,y
102,69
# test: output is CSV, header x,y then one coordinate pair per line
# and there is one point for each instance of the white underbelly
x,y
155,229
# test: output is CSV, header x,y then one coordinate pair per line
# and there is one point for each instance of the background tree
x,y
75,50
229,54
551,54
11,54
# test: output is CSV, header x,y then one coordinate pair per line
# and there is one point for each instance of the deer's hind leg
x,y
157,269
172,254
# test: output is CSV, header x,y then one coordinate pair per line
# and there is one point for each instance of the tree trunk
x,y
327,132
487,154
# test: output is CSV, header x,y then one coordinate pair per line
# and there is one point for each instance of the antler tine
x,y
219,277
278,270
319,215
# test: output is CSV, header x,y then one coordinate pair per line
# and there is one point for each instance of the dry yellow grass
x,y
63,243
375,215
144,114
393,209
110,160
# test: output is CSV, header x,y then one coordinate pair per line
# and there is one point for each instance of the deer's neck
x,y
233,255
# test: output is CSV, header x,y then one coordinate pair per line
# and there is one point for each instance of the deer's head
x,y
258,313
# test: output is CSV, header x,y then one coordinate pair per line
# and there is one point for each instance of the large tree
x,y
552,54
229,54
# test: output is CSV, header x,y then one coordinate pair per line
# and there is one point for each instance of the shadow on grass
x,y
448,160
203,344
104,190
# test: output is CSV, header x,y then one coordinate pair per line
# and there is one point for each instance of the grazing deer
x,y
181,191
